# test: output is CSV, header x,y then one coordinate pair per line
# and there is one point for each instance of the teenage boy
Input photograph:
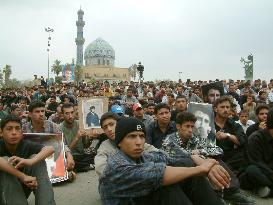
x,y
133,176
22,167
108,123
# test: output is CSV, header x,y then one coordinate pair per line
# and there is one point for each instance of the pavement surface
x,y
84,191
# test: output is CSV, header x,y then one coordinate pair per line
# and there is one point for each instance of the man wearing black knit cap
x,y
132,176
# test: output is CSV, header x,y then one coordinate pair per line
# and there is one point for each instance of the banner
x,y
56,162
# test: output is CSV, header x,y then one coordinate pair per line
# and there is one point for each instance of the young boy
x,y
22,167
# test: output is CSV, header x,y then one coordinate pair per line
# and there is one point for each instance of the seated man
x,y
75,139
133,176
25,169
185,142
258,176
108,123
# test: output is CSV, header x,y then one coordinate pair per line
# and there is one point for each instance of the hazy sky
x,y
203,39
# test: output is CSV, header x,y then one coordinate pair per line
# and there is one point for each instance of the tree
x,y
78,73
7,73
56,67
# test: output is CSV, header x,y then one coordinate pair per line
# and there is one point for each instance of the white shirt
x,y
248,123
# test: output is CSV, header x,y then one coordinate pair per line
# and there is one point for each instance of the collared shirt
x,y
155,136
125,179
248,123
175,147
260,150
232,128
49,127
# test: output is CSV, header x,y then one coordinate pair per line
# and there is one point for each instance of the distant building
x,y
99,57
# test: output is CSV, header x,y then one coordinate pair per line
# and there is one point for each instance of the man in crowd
x,y
152,177
185,142
138,113
108,124
22,167
261,116
229,134
161,127
75,139
244,120
258,176
38,124
180,106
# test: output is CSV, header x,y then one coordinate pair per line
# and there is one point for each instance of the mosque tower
x,y
80,40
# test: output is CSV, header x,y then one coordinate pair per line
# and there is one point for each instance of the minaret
x,y
80,40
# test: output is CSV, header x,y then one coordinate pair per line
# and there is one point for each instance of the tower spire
x,y
80,40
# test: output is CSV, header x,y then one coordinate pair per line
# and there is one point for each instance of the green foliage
x,y
78,73
58,79
56,67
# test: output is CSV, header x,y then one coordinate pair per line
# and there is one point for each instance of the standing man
x,y
161,127
92,118
38,124
229,134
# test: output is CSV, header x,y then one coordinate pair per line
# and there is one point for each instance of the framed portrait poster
x,y
204,126
90,111
56,162
212,91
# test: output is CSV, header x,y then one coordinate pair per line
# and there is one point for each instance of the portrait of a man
x,y
212,91
204,125
92,118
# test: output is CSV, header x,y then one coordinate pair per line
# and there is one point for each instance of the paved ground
x,y
83,191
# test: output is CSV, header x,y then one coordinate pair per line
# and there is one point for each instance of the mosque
x,y
99,58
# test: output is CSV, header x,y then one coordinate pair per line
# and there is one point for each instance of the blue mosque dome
x,y
99,52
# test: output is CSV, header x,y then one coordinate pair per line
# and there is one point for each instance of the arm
x,y
29,181
174,175
75,140
21,162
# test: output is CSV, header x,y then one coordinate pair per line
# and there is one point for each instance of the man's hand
x,y
70,161
195,152
219,177
29,181
206,165
18,162
80,134
221,135
262,125
95,132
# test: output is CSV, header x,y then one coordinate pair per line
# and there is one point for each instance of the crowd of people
x,y
146,150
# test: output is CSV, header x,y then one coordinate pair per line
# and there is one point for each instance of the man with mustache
x,y
230,135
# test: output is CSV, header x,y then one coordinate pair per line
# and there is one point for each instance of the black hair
x,y
67,105
10,118
261,107
185,116
269,122
109,115
243,112
150,104
181,96
223,99
13,107
35,104
160,106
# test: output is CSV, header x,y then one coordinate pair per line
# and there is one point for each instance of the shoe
x,y
239,198
264,191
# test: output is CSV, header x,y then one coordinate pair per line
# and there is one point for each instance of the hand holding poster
x,y
56,162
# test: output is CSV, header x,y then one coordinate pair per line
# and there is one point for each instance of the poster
x,y
68,74
90,111
212,91
204,126
56,162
